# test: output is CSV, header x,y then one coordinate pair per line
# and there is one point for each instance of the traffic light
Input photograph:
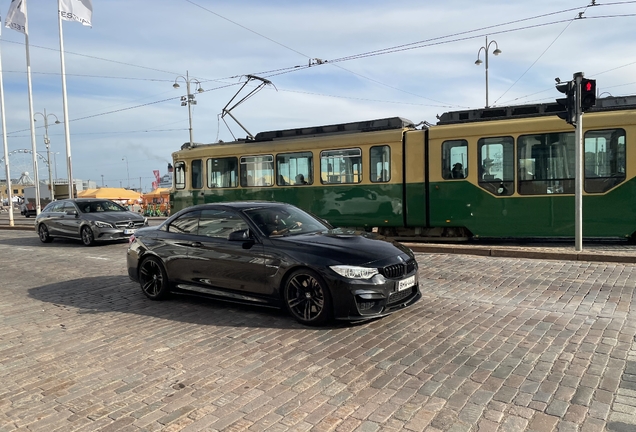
x,y
568,102
588,94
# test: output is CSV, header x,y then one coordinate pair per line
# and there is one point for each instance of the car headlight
x,y
353,272
103,224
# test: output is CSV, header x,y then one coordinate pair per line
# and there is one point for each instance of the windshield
x,y
284,220
99,206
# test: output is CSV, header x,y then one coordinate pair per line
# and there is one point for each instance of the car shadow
x,y
94,295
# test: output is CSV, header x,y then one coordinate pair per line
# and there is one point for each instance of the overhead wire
x,y
280,71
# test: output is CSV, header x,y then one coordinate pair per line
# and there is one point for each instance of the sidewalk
x,y
600,252
592,251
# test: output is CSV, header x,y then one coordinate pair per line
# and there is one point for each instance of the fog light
x,y
366,305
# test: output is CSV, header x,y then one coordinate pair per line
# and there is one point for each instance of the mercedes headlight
x,y
353,272
103,224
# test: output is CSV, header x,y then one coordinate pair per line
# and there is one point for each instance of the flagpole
x,y
6,146
36,176
67,132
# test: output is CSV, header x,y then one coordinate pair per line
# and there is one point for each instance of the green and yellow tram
x,y
497,173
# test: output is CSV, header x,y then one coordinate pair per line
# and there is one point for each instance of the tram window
x,y
179,175
545,164
496,164
380,163
604,159
455,159
341,166
257,170
197,174
222,172
295,168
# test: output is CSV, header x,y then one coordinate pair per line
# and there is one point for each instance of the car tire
x,y
153,279
307,297
88,238
43,233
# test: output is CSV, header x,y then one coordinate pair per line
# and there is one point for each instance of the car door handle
x,y
196,244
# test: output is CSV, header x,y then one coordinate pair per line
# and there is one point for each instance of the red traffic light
x,y
588,94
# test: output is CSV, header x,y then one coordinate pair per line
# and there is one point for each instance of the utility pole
x,y
580,97
578,171
47,142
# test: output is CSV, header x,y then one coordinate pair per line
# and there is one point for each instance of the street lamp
x,y
497,51
47,142
127,171
189,99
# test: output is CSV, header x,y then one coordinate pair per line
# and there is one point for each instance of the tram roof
x,y
532,110
390,123
341,128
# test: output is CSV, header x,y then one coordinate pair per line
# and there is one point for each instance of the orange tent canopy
x,y
157,193
110,193
85,193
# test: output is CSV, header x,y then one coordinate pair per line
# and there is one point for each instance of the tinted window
x,y
197,174
455,159
546,163
219,223
380,163
341,166
187,223
604,159
295,168
257,170
496,164
68,207
222,172
55,206
179,175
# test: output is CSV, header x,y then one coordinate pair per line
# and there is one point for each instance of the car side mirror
x,y
241,235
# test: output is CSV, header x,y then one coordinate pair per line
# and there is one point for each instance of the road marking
x,y
98,258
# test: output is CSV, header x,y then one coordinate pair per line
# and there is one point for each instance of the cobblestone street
x,y
495,344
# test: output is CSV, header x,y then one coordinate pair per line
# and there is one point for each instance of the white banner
x,y
77,10
17,16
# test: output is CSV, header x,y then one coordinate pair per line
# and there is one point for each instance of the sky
x,y
369,59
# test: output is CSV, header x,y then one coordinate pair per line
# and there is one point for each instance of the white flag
x,y
17,16
77,10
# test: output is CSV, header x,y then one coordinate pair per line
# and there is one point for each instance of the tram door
x,y
414,162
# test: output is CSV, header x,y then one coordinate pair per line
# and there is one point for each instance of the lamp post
x,y
188,100
486,47
127,171
47,142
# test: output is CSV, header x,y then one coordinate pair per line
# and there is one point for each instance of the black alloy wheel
x,y
43,232
87,236
153,279
307,297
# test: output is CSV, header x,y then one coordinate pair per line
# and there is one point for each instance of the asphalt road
x,y
496,343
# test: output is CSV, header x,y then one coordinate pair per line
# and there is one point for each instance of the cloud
x,y
131,56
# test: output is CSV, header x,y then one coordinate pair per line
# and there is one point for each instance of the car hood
x,y
350,247
113,216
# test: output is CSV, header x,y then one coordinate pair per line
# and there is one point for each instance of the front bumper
x,y
111,234
366,299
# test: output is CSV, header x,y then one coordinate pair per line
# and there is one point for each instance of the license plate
x,y
406,283
129,231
